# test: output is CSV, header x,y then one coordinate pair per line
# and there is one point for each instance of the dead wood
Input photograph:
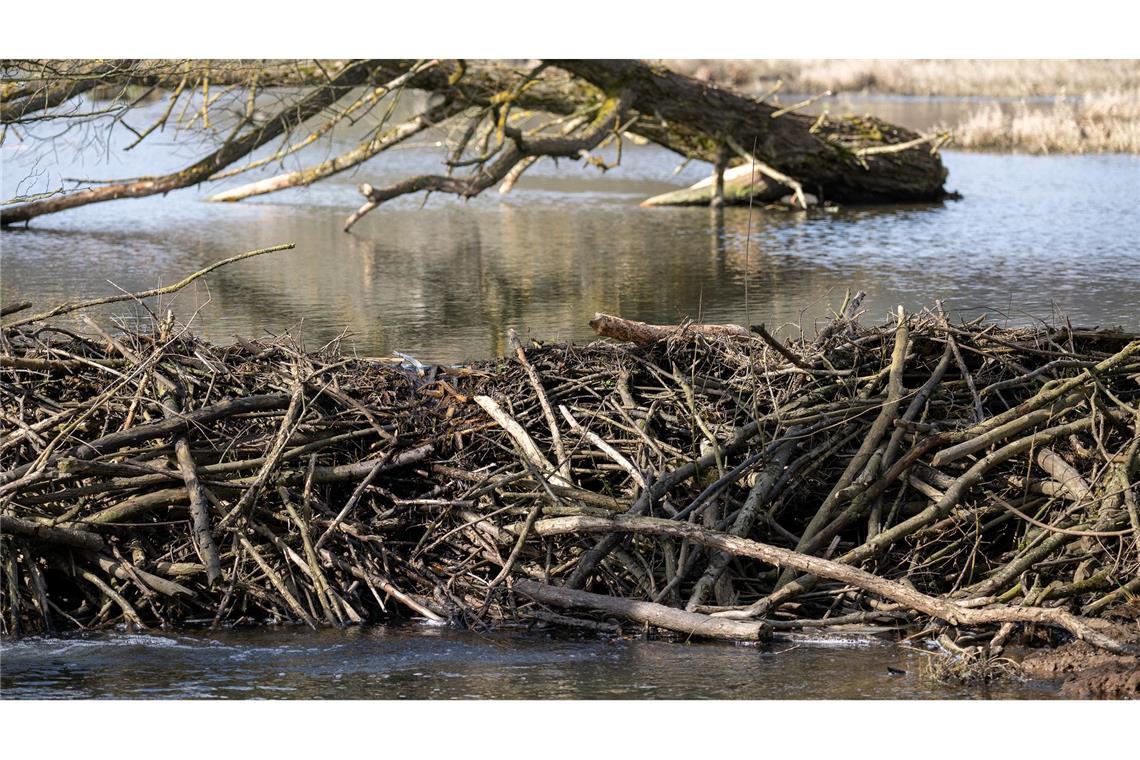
x,y
468,498
506,119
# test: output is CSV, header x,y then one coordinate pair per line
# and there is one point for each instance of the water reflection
x,y
1032,236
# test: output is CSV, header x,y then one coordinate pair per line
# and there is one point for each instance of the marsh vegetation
x,y
1049,106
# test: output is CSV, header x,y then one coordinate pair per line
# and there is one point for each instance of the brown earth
x,y
1088,672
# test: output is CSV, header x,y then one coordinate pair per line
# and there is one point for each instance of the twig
x,y
67,308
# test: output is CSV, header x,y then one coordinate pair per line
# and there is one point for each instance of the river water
x,y
422,662
1032,238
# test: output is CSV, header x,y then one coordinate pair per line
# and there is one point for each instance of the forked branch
x,y
519,149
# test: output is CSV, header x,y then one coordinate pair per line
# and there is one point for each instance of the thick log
x,y
848,160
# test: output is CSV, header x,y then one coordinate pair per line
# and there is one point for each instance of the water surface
x,y
419,662
1034,237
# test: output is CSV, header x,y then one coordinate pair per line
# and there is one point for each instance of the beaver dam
x,y
963,481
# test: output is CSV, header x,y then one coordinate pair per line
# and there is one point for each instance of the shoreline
x,y
636,662
1071,670
961,77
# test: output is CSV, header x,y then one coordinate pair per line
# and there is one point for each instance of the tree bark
x,y
849,160
837,160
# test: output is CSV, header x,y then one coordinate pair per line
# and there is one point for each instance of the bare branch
x,y
20,103
358,155
234,148
67,308
520,148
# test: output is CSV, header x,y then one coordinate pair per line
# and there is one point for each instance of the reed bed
x,y
1096,107
1102,123
959,77
965,480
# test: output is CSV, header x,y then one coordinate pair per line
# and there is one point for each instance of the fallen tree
x,y
499,120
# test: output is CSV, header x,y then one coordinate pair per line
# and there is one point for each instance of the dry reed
x,y
955,77
1097,106
1102,123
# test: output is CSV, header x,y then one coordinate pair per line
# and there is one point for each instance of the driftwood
x,y
631,331
736,186
905,595
647,613
847,474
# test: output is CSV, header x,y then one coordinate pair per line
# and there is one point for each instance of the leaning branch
x,y
67,308
21,103
785,558
349,159
350,76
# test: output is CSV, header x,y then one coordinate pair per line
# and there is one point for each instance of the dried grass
x,y
973,667
1105,123
1097,109
972,77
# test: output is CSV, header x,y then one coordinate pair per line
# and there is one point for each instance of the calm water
x,y
1033,237
432,663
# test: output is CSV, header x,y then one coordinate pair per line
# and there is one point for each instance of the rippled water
x,y
418,662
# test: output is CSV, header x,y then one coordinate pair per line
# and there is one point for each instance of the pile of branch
x,y
919,475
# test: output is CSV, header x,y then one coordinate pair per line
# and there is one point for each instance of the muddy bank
x,y
1087,673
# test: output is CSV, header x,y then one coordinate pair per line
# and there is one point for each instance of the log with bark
x,y
501,120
